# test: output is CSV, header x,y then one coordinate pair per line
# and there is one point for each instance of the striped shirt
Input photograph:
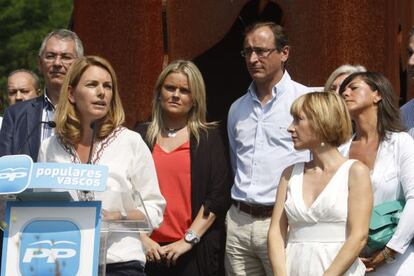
x,y
47,115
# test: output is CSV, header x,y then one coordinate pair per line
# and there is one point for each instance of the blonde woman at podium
x,y
89,129
193,173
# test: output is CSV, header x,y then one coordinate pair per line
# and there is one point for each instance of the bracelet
x,y
387,257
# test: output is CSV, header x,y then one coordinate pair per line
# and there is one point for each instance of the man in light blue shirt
x,y
407,110
260,147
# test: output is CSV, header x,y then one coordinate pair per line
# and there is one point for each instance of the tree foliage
x,y
23,25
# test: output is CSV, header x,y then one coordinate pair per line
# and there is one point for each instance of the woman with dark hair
x,y
89,94
320,220
193,173
381,143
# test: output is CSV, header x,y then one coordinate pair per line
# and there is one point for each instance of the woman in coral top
x,y
193,173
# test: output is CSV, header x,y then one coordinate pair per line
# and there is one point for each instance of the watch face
x,y
390,260
191,237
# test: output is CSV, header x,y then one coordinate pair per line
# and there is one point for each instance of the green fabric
x,y
384,220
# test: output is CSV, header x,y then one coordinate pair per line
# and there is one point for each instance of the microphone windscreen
x,y
93,124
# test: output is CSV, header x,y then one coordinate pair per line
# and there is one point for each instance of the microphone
x,y
50,124
88,195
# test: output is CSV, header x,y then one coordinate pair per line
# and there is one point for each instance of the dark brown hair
x,y
388,114
281,38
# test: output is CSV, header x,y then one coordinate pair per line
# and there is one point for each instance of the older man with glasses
x,y
28,123
260,147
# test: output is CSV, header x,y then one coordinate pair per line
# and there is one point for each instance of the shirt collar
x,y
48,103
280,88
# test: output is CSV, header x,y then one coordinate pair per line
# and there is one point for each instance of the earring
x,y
322,144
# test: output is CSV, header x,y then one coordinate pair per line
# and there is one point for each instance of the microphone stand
x,y
88,195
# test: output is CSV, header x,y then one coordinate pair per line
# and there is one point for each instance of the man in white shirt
x,y
260,147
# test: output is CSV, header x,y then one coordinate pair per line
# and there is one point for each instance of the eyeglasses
x,y
64,58
260,52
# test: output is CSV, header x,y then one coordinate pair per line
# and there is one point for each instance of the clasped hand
x,y
167,254
372,262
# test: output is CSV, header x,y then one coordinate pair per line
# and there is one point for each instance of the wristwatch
x,y
387,256
124,215
191,237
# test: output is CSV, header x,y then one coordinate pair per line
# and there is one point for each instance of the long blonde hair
x,y
68,125
196,116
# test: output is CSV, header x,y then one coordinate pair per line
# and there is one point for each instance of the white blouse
x,y
131,168
393,178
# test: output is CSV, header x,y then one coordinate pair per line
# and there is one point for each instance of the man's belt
x,y
258,211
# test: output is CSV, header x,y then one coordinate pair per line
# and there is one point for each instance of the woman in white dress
x,y
381,144
320,220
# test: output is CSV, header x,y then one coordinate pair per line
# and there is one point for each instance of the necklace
x,y
172,132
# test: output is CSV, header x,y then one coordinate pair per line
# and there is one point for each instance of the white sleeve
x,y
144,179
232,142
405,229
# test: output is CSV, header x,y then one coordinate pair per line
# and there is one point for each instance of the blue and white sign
x,y
50,245
15,173
69,176
52,238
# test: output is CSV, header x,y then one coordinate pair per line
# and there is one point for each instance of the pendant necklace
x,y
172,132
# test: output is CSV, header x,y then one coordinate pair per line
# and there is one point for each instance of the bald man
x,y
22,85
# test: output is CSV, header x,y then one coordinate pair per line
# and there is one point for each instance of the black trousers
x,y
186,265
131,268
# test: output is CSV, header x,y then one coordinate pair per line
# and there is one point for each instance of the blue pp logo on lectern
x,y
50,247
15,173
